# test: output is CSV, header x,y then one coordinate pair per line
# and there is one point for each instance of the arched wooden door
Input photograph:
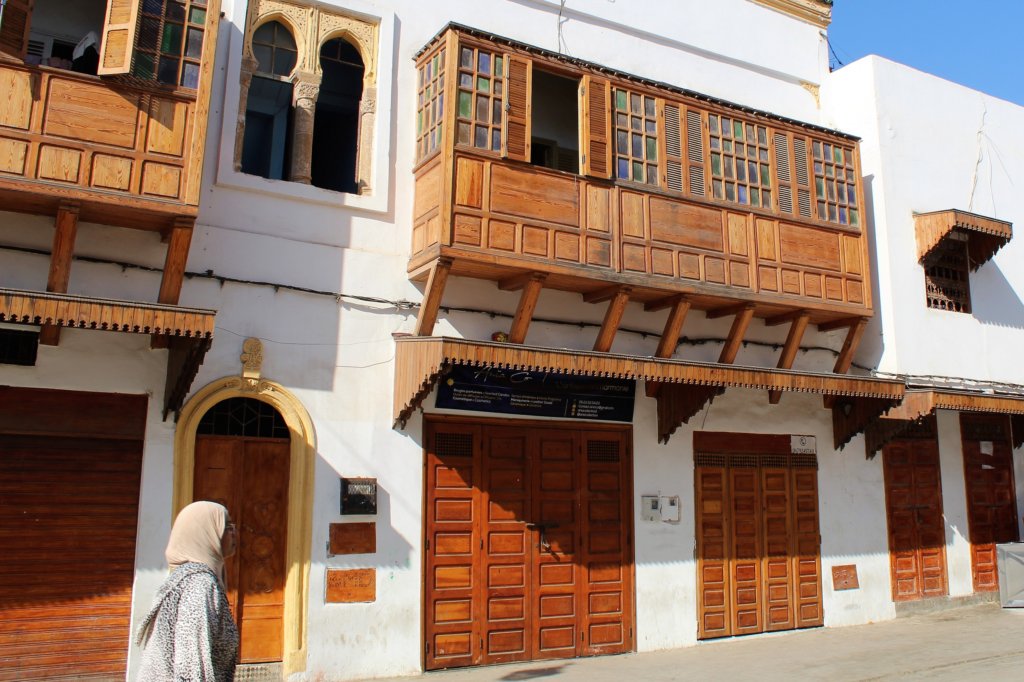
x,y
242,461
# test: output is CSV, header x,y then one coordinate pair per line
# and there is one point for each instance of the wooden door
x,y
917,542
250,477
528,551
758,542
991,500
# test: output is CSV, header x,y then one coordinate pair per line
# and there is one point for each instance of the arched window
x,y
245,417
268,107
336,127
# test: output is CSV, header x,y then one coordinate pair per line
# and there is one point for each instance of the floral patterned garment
x,y
189,634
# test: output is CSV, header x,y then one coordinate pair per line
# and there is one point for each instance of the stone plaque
x,y
351,585
845,577
353,538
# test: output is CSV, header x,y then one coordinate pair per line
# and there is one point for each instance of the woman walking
x,y
189,634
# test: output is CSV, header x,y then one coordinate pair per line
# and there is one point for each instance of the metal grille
x,y
774,461
947,286
602,451
755,461
453,444
263,672
18,347
246,417
804,461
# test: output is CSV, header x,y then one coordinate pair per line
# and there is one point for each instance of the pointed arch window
x,y
336,127
268,107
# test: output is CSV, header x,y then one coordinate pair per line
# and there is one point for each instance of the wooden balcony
x,y
128,155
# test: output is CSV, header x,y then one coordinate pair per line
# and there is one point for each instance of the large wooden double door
x,y
917,537
991,500
528,543
758,544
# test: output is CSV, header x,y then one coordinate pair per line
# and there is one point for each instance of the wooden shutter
x,y
118,37
673,149
17,18
595,124
518,95
695,152
801,163
784,173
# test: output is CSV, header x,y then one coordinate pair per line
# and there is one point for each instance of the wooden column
x,y
670,336
617,297
61,255
179,239
744,313
531,285
854,331
796,333
432,297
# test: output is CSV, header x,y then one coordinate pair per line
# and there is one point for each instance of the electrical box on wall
x,y
650,508
669,509
358,495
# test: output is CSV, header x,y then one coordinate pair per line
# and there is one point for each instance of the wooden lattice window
x,y
430,105
481,98
170,41
636,137
947,286
835,184
739,161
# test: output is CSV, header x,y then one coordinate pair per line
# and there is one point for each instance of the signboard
x,y
536,394
350,586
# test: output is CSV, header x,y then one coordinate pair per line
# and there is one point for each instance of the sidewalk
x,y
971,643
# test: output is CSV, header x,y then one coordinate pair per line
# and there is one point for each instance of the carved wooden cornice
x,y
817,12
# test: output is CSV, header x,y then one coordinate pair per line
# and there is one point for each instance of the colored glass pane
x,y
167,71
716,189
484,63
465,104
465,80
480,137
741,194
171,40
755,197
190,75
194,43
466,58
499,67
620,100
622,170
652,149
716,164
713,124
637,148
483,108
197,16
741,170
638,171
483,84
730,191
621,142
649,106
463,133
737,130
496,111
175,11
496,139
634,103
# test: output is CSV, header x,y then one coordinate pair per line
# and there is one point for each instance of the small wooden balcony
x,y
541,172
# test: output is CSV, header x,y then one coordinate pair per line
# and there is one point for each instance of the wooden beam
x,y
662,303
612,318
601,295
673,326
784,317
177,256
739,328
796,333
432,297
66,224
527,304
853,337
517,282
725,311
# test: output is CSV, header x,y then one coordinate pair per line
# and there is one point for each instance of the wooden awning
x,y
919,404
984,236
189,331
420,361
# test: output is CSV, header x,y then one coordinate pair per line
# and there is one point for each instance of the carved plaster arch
x,y
286,21
352,39
300,484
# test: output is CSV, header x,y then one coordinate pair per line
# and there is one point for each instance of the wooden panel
x,y
111,172
713,553
469,182
991,499
466,230
118,37
542,197
92,113
14,31
738,243
428,191
806,549
501,235
686,225
167,127
16,104
161,180
766,243
913,495
352,538
777,568
745,551
632,214
567,247
66,578
845,578
12,156
517,114
59,163
595,129
72,414
808,246
350,586
852,255
597,209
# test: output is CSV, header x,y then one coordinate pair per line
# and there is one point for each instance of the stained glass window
x,y
636,137
740,169
430,104
243,417
835,184
481,97
169,44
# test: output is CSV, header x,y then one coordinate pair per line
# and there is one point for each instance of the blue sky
x,y
973,42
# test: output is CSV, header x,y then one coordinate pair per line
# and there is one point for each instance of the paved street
x,y
970,643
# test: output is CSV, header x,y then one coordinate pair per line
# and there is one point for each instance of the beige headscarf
x,y
196,537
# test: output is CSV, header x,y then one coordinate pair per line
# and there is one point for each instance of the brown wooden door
x,y
758,542
917,542
527,544
250,477
991,500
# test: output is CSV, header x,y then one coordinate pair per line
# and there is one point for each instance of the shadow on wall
x,y
994,300
873,342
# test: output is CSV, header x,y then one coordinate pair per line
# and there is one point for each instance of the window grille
x,y
947,286
245,417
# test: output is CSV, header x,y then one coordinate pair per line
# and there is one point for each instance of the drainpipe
x,y
3,3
